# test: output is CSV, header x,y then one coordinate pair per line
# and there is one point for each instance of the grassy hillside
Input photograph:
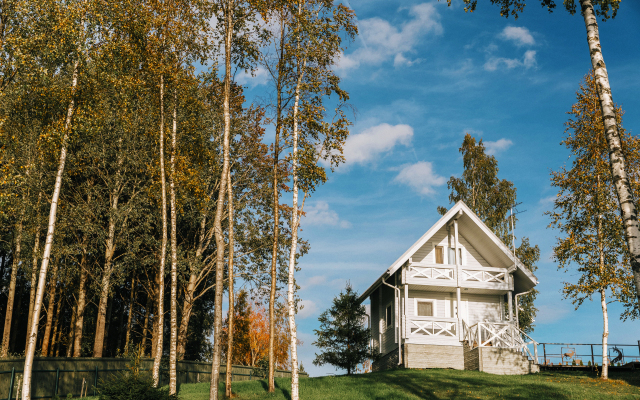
x,y
439,384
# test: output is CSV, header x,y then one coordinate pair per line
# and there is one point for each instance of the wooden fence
x,y
64,376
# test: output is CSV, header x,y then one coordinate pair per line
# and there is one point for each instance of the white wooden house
x,y
431,309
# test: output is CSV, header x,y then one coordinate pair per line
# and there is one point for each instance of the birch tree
x,y
75,23
590,11
585,211
492,199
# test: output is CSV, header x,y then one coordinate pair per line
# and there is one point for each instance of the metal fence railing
x,y
587,354
80,377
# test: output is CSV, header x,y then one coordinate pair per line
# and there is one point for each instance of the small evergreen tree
x,y
343,337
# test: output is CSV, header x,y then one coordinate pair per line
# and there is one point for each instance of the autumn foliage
x,y
251,334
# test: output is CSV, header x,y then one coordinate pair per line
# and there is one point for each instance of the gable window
x,y
425,308
439,255
388,316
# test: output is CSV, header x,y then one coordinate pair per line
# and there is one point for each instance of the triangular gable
x,y
500,253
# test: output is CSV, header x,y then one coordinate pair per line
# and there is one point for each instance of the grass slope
x,y
438,384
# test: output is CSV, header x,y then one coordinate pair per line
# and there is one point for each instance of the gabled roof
x,y
480,237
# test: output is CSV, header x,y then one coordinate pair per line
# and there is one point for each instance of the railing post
x,y
13,375
55,391
535,351
544,353
479,334
95,381
593,362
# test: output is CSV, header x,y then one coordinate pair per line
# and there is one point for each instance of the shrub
x,y
128,386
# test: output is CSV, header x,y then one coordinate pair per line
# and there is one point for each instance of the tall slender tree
x,y
492,199
585,210
590,11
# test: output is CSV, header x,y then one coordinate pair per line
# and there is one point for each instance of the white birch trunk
x,y
33,330
605,335
228,375
163,250
616,158
173,341
217,223
294,246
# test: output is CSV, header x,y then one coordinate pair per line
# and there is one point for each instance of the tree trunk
x,y
14,332
6,335
78,320
163,249
189,293
173,341
34,275
217,224
231,313
276,215
605,335
110,248
107,325
294,239
616,157
33,330
132,300
187,307
145,328
71,343
52,302
56,321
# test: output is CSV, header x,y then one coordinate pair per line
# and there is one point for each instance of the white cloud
x,y
499,145
320,214
527,61
369,144
308,309
420,177
381,41
520,35
259,77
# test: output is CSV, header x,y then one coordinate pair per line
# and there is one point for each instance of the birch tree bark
x,y
33,330
231,313
294,244
616,157
174,256
163,249
6,335
217,224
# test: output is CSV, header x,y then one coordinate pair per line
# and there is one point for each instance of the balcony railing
x,y
499,334
431,327
445,275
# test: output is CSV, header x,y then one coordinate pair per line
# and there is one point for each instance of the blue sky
x,y
421,75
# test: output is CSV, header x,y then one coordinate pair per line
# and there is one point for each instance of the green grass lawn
x,y
438,384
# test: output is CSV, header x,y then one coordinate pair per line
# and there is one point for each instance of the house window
x,y
388,316
425,308
439,255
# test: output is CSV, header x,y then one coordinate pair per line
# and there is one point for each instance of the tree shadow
x,y
285,392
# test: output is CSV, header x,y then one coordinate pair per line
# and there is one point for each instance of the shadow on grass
x,y
285,392
440,384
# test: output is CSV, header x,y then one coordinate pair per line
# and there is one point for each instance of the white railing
x,y
500,334
432,327
485,276
432,272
